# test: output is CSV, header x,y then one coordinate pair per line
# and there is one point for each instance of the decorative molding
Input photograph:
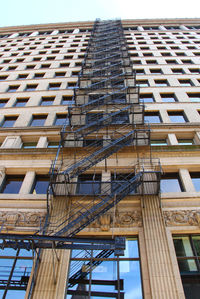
x,y
182,218
117,220
21,219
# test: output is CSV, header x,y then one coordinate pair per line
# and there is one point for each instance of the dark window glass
x,y
170,182
142,83
60,119
38,120
12,184
13,88
185,141
47,101
54,86
60,74
178,71
177,117
195,176
185,82
53,144
29,144
188,251
67,100
161,83
93,142
9,121
120,118
39,75
147,98
93,117
3,102
156,71
168,97
21,102
158,142
89,184
31,87
40,185
152,117
120,179
22,76
194,97
2,78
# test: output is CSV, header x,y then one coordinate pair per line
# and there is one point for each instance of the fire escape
x,y
107,117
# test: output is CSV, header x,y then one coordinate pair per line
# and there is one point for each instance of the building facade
x,y
100,142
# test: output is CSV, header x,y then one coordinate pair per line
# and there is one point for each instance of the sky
x,y
28,12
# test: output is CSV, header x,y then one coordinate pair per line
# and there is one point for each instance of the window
x,y
45,66
54,86
47,101
92,142
170,182
140,71
121,179
22,76
38,120
168,97
53,144
39,75
30,66
71,84
17,265
166,54
161,83
195,71
31,87
120,118
13,88
151,62
3,102
194,97
142,83
67,100
156,71
185,82
12,184
177,116
2,78
11,68
187,249
93,117
105,272
29,144
152,117
40,185
158,142
89,184
147,98
187,61
9,121
171,61
60,119
60,74
64,64
178,71
21,102
185,141
195,176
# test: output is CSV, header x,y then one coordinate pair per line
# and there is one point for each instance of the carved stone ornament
x,y
117,220
183,217
21,219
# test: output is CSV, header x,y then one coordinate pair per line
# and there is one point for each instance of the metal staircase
x,y
106,105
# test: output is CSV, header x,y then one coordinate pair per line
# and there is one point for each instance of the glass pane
x,y
183,249
12,185
196,183
130,273
170,185
41,186
152,118
38,122
177,118
196,242
131,248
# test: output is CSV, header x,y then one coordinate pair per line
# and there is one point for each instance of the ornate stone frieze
x,y
183,217
118,220
21,219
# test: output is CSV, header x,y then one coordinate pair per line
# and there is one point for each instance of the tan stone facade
x,y
165,55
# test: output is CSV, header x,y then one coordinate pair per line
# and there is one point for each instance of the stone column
x,y
163,282
12,142
2,176
172,140
27,183
51,281
186,180
42,142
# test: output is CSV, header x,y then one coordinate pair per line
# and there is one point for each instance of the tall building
x,y
100,160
